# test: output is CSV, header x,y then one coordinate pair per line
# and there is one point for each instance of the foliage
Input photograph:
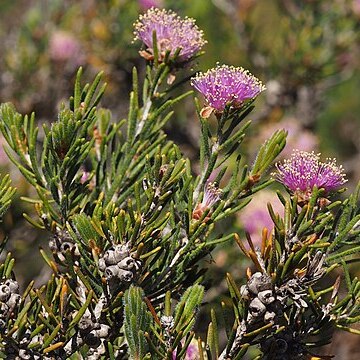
x,y
131,222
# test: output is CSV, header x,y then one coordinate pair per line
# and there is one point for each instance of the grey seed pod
x,y
256,307
102,264
92,339
250,318
303,303
269,316
259,282
125,275
244,292
103,332
111,272
282,346
23,354
115,254
66,246
85,324
121,251
97,326
126,263
253,282
53,246
14,300
13,285
4,308
5,292
266,297
145,184
129,264
110,257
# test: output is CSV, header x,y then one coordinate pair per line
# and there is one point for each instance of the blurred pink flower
x,y
256,216
192,352
64,46
147,4
84,177
298,138
356,7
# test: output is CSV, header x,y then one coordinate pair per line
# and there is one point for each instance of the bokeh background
x,y
305,51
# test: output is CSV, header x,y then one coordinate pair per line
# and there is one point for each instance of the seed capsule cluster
x,y
9,302
91,333
285,345
9,299
21,350
264,305
62,243
119,265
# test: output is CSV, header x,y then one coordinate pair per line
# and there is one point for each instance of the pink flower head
x,y
304,170
147,4
63,46
225,85
172,33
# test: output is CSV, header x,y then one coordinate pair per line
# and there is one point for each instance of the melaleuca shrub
x,y
129,222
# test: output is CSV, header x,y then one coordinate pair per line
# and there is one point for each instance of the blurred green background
x,y
306,52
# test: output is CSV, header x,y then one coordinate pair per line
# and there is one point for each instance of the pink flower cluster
x,y
304,170
225,85
172,34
